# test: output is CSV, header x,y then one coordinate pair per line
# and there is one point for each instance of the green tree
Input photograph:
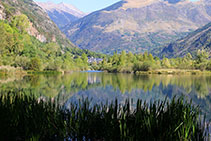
x,y
51,49
3,41
21,61
122,59
35,64
84,58
166,63
21,22
201,59
115,58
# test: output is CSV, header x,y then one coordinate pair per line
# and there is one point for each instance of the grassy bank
x,y
174,72
24,118
44,72
8,70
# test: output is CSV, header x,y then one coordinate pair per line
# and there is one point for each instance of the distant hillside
x,y
62,14
197,40
41,25
138,25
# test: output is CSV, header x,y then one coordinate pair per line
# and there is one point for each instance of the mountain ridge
x,y
138,29
197,40
61,13
50,6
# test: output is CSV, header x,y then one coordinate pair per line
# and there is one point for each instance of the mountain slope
x,y
138,25
41,25
197,40
62,14
31,41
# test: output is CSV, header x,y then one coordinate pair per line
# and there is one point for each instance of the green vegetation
x,y
42,51
19,49
26,118
129,63
38,18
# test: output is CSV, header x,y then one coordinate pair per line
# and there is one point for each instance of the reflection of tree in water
x,y
65,86
51,85
127,82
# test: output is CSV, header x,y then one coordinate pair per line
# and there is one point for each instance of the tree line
x,y
129,62
19,49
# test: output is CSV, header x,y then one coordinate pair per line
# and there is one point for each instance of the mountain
x,y
138,25
29,40
197,40
62,14
41,26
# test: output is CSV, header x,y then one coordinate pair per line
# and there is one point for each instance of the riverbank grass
x,y
27,118
174,72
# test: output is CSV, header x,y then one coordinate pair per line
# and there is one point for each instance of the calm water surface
x,y
102,87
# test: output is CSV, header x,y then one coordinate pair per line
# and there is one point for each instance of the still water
x,y
102,87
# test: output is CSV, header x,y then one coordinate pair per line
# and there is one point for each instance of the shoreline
x,y
174,72
8,70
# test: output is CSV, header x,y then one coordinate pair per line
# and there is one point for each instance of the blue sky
x,y
87,5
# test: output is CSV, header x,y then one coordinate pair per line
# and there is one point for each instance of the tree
x,y
145,56
21,22
84,58
145,66
201,60
23,62
3,41
51,49
165,63
130,57
151,58
35,64
115,58
122,59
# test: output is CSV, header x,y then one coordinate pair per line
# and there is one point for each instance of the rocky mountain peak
x,y
68,8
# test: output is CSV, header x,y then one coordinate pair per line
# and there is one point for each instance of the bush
x,y
145,66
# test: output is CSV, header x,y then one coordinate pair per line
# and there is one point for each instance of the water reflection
x,y
103,86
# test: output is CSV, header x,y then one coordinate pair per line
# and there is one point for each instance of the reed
x,y
27,118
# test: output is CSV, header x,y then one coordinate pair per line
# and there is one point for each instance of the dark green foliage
x,y
35,64
145,66
24,117
130,63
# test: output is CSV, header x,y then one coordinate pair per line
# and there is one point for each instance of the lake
x,y
103,87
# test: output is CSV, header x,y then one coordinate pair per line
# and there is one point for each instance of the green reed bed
x,y
27,118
